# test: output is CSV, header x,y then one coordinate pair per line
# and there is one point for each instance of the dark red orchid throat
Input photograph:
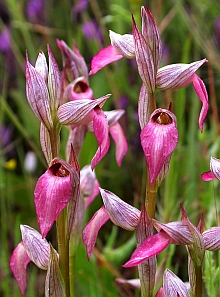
x,y
80,87
162,118
59,170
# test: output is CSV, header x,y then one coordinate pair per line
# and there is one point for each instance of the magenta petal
x,y
158,140
51,195
106,56
101,129
208,176
91,230
120,141
152,246
200,89
18,264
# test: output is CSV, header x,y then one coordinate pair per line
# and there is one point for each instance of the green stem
x,y
197,292
150,199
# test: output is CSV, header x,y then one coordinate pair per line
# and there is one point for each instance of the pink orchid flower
x,y
159,139
32,248
183,232
53,191
146,48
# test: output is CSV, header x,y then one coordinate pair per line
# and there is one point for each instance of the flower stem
x,y
150,199
63,249
197,290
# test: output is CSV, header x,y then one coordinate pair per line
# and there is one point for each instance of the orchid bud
x,y
173,286
124,44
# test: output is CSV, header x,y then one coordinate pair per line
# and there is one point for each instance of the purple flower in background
x,y
217,31
5,40
78,9
92,31
35,11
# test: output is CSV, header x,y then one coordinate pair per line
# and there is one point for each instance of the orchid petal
x,y
37,248
152,246
89,200
91,230
208,176
54,283
114,115
103,58
152,36
124,44
78,90
120,141
175,76
101,129
215,167
53,192
158,141
173,285
18,263
178,231
120,213
73,62
144,59
76,138
54,82
45,143
144,110
211,238
41,66
200,89
79,111
37,95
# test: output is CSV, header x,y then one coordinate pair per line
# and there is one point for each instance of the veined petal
x,y
152,36
120,141
88,200
76,138
41,66
45,143
37,95
101,131
144,59
124,44
215,167
173,285
114,115
211,238
91,230
120,213
18,263
152,246
54,283
207,176
73,62
106,56
143,106
53,192
176,75
200,89
87,180
54,81
37,248
178,231
158,139
79,111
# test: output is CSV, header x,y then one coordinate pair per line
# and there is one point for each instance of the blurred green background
x,y
190,30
